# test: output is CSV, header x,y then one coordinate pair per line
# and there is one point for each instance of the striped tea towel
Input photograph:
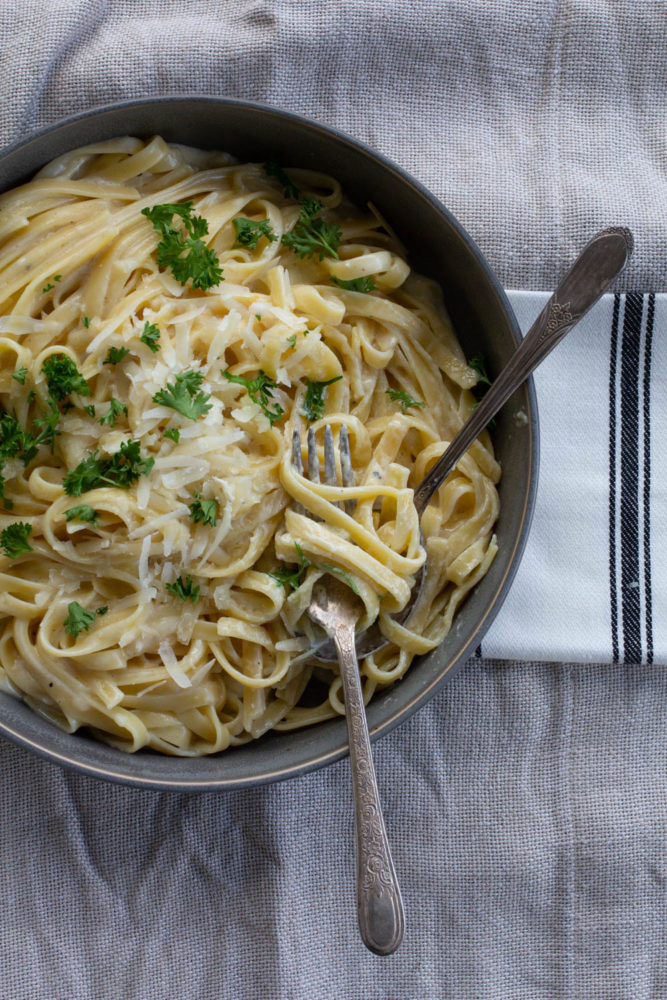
x,y
592,585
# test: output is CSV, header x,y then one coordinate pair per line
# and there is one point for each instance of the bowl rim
x,y
118,774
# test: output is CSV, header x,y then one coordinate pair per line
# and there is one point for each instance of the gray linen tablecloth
x,y
526,804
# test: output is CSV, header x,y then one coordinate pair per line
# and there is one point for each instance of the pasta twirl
x,y
164,565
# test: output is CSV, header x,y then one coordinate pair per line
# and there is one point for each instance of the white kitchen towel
x,y
592,584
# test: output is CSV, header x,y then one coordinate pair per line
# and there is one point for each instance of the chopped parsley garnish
x,y
115,355
173,433
183,395
90,410
312,235
82,513
115,410
365,285
342,573
204,511
292,577
184,588
183,250
406,401
292,341
121,470
20,375
47,434
86,321
313,404
260,390
150,337
478,364
273,169
13,441
479,390
14,539
249,233
80,619
52,284
63,377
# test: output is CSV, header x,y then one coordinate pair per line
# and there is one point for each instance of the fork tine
x,y
297,463
313,460
296,452
346,465
330,477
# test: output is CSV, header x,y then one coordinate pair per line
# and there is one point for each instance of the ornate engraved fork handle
x,y
601,260
379,903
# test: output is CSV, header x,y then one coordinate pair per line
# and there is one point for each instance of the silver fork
x,y
337,609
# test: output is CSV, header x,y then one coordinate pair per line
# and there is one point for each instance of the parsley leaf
x,y
115,355
184,588
116,408
16,442
63,377
120,470
292,341
19,375
312,235
90,410
406,401
273,169
82,513
52,284
48,433
150,337
180,395
479,390
173,433
249,233
313,404
204,511
13,441
86,321
200,263
365,285
80,619
342,573
14,539
292,577
260,390
478,364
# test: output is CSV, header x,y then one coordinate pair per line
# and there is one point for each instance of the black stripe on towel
x,y
613,350
629,477
648,596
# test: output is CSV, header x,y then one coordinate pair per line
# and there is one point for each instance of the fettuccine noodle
x,y
228,658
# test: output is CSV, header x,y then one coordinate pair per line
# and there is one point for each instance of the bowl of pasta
x,y
184,282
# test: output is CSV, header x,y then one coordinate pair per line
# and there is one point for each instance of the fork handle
x,y
379,903
601,260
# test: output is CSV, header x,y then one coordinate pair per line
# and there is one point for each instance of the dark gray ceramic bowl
x,y
484,322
